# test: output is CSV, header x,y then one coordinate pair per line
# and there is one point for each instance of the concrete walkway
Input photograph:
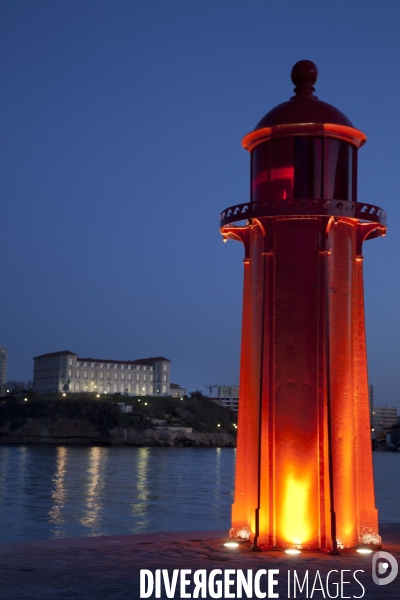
x,y
108,567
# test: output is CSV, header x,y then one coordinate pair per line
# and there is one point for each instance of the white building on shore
x,y
66,371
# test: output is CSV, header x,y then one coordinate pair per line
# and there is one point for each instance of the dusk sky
x,y
121,127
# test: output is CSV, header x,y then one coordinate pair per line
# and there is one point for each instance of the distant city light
x,y
26,399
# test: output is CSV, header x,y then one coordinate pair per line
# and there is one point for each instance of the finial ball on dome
x,y
304,72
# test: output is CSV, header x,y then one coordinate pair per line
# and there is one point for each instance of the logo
x,y
385,564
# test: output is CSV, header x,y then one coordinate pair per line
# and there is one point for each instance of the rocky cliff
x,y
81,432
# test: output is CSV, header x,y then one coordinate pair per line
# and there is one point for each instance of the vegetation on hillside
x,y
198,412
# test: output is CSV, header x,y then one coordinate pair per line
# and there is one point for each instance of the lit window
x,y
151,377
122,376
164,389
69,372
165,367
101,375
70,362
137,376
144,368
130,377
78,373
115,375
108,375
144,377
151,369
85,374
92,374
164,378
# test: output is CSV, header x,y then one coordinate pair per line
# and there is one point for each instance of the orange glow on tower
x,y
304,473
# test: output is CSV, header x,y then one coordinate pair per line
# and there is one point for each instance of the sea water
x,y
66,491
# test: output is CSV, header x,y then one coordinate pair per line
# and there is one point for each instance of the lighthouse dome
x,y
304,106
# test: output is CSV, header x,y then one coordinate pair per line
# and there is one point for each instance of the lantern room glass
x,y
304,167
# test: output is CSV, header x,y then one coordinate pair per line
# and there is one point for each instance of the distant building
x,y
227,395
66,371
3,368
177,391
383,417
394,433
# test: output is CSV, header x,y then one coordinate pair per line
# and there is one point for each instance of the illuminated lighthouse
x,y
304,474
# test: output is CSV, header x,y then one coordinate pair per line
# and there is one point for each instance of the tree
x,y
197,395
17,387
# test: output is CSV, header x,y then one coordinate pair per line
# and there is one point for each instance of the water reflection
x,y
21,473
59,493
93,497
140,505
4,467
217,477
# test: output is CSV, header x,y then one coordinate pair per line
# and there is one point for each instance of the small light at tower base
x,y
231,544
364,550
292,551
